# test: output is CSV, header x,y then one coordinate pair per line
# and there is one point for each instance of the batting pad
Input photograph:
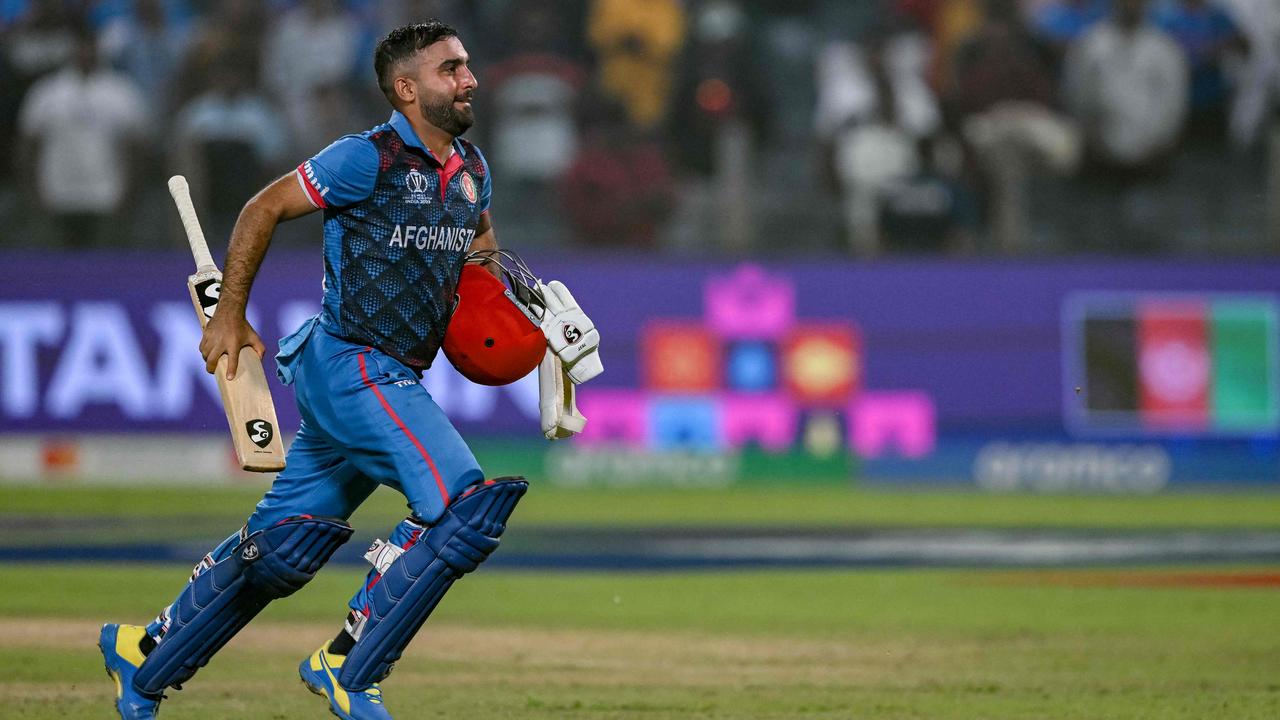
x,y
269,564
413,584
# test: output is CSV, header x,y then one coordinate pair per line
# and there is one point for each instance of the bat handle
x,y
181,193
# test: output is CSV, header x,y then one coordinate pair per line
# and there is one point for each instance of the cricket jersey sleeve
x,y
341,174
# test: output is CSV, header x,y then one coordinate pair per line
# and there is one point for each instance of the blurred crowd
x,y
700,127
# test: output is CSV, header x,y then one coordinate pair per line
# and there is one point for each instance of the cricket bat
x,y
247,400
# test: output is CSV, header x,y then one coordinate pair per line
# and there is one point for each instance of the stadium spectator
x,y
714,84
636,43
146,40
1126,83
10,101
1207,35
1001,62
147,46
11,12
874,106
720,118
552,27
533,92
618,191
1059,23
231,28
1259,84
720,85
79,128
949,23
1002,102
932,210
230,142
36,37
322,37
42,40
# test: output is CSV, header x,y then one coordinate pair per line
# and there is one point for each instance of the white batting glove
x,y
570,333
557,400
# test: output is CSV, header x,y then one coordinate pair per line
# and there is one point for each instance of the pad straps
x,y
409,590
215,605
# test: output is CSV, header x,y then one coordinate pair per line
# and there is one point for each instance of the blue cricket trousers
x,y
366,421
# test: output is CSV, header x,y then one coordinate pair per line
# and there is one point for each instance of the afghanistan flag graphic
x,y
1181,364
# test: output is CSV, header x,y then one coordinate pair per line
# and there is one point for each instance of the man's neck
x,y
439,142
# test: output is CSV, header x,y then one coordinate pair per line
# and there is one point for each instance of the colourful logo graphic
x,y
821,364
751,374
750,305
752,366
680,358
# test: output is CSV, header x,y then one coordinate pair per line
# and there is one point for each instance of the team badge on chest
x,y
417,184
468,185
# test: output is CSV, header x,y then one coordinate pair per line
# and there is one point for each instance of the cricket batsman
x,y
405,205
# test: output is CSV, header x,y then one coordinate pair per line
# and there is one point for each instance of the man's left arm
x,y
486,240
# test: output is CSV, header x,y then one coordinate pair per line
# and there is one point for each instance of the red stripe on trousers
x,y
364,375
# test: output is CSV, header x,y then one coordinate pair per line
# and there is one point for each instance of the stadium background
x,y
940,284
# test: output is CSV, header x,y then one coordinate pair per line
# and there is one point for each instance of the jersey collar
x,y
401,125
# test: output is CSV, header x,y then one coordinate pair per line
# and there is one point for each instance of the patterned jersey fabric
x,y
397,226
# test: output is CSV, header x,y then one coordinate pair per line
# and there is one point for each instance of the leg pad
x,y
269,564
409,590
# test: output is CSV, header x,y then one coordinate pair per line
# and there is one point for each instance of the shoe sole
x,y
114,677
320,691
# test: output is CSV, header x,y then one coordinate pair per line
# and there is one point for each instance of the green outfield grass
x,y
795,507
918,644
902,644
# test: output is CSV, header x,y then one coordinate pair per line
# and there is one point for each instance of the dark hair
x,y
401,44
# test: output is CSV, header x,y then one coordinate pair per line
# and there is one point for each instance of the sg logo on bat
x,y
209,291
260,432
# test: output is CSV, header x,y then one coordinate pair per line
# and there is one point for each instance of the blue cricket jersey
x,y
398,224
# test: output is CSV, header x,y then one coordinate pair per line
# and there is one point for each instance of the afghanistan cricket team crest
x,y
468,184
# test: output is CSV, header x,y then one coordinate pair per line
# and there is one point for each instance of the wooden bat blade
x,y
251,414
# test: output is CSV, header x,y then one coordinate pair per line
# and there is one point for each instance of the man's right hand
x,y
225,334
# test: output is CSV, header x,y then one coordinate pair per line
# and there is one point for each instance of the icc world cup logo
x,y
416,182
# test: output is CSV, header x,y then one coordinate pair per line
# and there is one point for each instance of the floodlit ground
x,y
1162,643
839,644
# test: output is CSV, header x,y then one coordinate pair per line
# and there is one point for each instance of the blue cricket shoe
x,y
120,652
319,674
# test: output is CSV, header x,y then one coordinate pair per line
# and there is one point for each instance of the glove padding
x,y
570,333
557,400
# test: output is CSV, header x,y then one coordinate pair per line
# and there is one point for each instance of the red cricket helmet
x,y
491,340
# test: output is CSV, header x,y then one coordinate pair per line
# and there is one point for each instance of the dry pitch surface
x,y
1166,644
827,644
